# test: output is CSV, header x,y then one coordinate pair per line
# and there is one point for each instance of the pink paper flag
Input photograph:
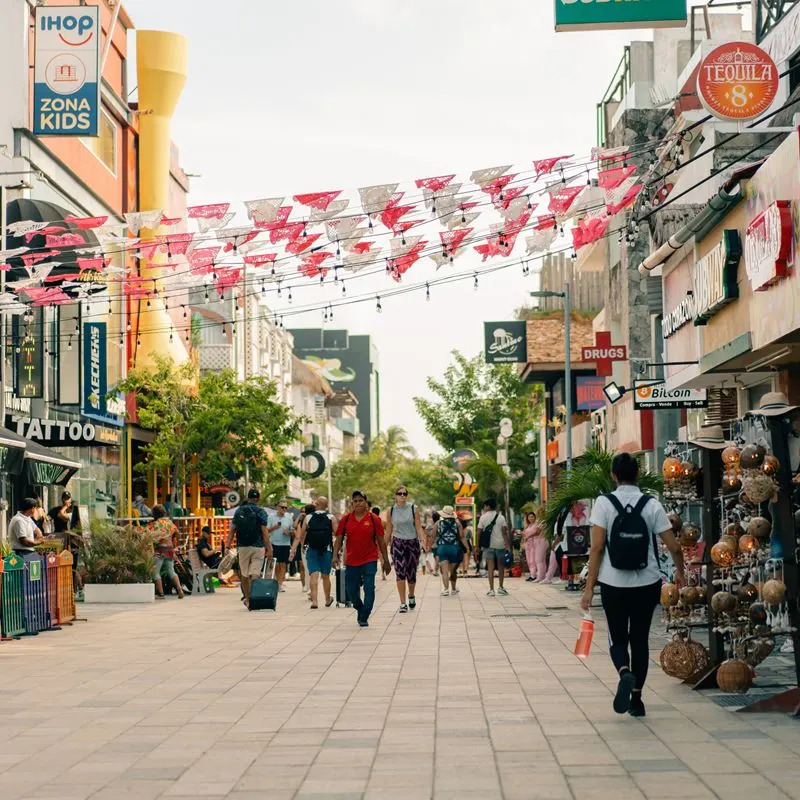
x,y
319,200
545,166
86,223
215,211
434,184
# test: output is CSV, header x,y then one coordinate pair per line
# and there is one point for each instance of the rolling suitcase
x,y
264,591
341,589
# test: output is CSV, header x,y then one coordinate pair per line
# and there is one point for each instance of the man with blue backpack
x,y
451,542
624,560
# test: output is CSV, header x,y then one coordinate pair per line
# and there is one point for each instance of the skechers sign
x,y
588,15
66,87
94,401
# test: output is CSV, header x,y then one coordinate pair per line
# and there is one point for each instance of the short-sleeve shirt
x,y
283,536
21,527
257,539
361,538
603,516
497,540
162,531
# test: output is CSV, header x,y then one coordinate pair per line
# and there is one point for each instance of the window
x,y
104,146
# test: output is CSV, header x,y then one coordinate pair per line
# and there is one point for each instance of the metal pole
x,y
110,37
246,343
330,471
568,370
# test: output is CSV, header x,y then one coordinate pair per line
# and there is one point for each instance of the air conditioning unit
x,y
599,428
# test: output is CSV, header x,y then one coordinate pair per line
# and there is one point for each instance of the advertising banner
x,y
649,395
583,15
29,354
94,380
506,342
66,84
590,392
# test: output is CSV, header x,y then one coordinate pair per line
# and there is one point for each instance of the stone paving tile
x,y
448,703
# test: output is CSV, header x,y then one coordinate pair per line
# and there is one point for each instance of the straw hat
x,y
773,404
447,512
710,437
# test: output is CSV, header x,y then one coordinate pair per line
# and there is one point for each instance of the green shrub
x,y
116,554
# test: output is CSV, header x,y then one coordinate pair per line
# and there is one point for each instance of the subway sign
x,y
66,83
595,15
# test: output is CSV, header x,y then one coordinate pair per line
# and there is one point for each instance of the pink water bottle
x,y
584,643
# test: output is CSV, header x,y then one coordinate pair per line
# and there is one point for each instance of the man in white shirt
x,y
23,532
624,561
495,542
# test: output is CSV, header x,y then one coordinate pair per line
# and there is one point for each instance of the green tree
x,y
471,399
395,444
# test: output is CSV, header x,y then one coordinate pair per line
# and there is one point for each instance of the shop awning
x,y
12,452
45,467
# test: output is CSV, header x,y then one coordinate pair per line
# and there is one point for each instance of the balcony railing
x,y
769,13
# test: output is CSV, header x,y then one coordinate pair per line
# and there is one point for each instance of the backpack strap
x,y
614,500
643,501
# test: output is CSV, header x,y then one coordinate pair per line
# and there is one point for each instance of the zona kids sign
x,y
66,87
582,15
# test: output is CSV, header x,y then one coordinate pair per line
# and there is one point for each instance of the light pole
x,y
565,295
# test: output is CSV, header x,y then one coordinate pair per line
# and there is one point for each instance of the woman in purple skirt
x,y
404,533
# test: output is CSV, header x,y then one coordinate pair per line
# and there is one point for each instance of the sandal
x,y
314,605
329,602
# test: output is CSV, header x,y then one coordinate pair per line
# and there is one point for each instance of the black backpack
x,y
319,531
448,532
248,526
628,542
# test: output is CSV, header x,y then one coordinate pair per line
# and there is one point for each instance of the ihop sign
x,y
66,84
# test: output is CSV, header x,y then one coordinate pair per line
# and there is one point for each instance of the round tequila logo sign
x,y
737,81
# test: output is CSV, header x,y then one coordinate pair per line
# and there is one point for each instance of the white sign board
x,y
66,83
655,395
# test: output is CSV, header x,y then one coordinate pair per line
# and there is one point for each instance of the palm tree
x,y
589,477
395,444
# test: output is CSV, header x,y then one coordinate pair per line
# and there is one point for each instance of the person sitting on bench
x,y
209,557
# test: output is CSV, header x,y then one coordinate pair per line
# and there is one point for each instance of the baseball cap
x,y
253,494
358,493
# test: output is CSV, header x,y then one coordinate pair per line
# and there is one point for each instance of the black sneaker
x,y
412,603
622,699
362,623
637,708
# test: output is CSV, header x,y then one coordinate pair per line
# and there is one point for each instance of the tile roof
x,y
546,339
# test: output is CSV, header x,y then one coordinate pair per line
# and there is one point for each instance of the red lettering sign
x,y
603,353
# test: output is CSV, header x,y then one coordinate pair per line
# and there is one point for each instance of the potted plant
x,y
119,564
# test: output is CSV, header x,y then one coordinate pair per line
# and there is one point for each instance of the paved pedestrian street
x,y
467,697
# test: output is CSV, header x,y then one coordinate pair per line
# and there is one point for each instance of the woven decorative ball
x,y
733,529
733,541
734,676
748,544
747,593
678,659
758,487
722,554
731,456
757,613
752,456
774,592
689,535
770,466
731,481
669,594
671,469
723,601
689,596
759,527
702,658
676,522
689,470
761,649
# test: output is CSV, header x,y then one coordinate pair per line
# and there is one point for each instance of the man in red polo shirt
x,y
362,532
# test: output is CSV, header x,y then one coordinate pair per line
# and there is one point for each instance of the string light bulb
x,y
378,307
428,292
475,282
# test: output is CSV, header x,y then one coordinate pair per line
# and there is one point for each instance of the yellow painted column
x,y
162,65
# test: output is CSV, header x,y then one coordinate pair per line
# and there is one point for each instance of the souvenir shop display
x,y
740,588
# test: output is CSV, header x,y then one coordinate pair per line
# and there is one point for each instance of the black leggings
x,y
629,613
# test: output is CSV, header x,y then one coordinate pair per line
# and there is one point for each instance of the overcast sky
x,y
316,95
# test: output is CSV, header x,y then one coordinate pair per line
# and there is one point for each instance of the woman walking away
x,y
404,531
316,536
535,548
164,532
624,561
450,539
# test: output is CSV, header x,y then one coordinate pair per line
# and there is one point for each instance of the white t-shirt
x,y
283,536
497,541
604,514
21,527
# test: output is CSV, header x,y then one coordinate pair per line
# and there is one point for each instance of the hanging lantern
x,y
734,529
770,466
752,456
747,593
722,554
759,527
758,487
671,469
689,470
676,522
731,456
678,659
731,481
689,535
774,592
669,595
757,613
689,596
723,602
748,543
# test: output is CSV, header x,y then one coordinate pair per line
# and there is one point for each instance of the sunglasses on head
x,y
401,494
